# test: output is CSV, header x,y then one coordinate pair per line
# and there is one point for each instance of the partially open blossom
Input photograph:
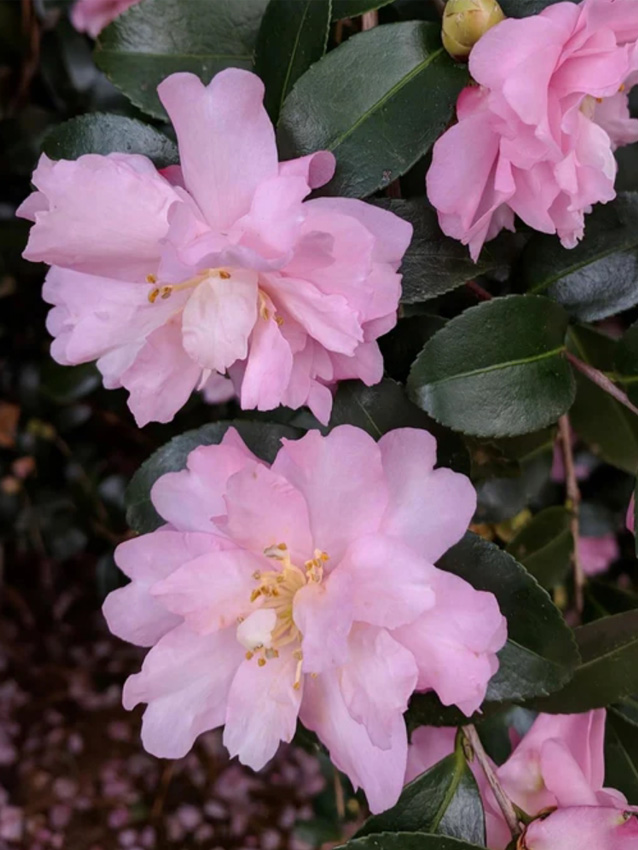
x,y
305,589
535,138
91,16
215,266
465,21
583,827
560,762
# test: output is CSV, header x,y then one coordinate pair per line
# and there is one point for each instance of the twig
x,y
601,380
573,499
160,799
504,802
477,289
340,802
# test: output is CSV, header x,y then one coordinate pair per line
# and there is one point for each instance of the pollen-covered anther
x,y
298,656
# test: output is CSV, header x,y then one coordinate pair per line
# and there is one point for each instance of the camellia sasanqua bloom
x,y
560,762
536,136
217,266
91,16
305,589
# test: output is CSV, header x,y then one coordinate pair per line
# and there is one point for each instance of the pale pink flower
x,y
597,554
91,16
535,138
218,266
560,762
583,827
305,590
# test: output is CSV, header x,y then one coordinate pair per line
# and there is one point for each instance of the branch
x,y
573,500
504,802
477,289
602,381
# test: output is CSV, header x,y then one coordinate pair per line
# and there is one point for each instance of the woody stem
x,y
504,802
573,503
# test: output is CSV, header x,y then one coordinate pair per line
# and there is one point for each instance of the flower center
x,y
269,628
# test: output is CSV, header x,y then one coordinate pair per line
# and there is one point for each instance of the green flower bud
x,y
465,21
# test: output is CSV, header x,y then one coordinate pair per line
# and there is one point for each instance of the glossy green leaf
x,y
627,708
434,263
293,35
408,841
156,38
609,668
385,406
626,362
544,546
498,369
262,438
608,427
540,654
444,800
354,8
104,134
379,101
621,757
599,277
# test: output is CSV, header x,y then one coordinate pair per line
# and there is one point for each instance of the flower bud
x,y
465,21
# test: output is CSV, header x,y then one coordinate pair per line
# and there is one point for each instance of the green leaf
x,y
626,362
408,841
385,406
627,708
599,277
609,668
66,384
365,101
354,8
621,757
293,35
104,134
540,654
262,438
434,263
156,38
444,800
608,427
498,369
544,547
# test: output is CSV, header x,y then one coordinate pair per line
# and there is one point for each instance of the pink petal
x,y
455,642
428,745
391,584
341,478
161,378
575,828
379,772
211,591
428,509
316,168
218,319
265,510
191,498
131,612
185,679
226,141
377,682
268,367
262,709
323,615
91,16
105,216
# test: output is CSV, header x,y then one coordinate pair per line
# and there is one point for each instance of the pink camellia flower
x,y
218,266
305,589
583,827
91,16
536,137
560,762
